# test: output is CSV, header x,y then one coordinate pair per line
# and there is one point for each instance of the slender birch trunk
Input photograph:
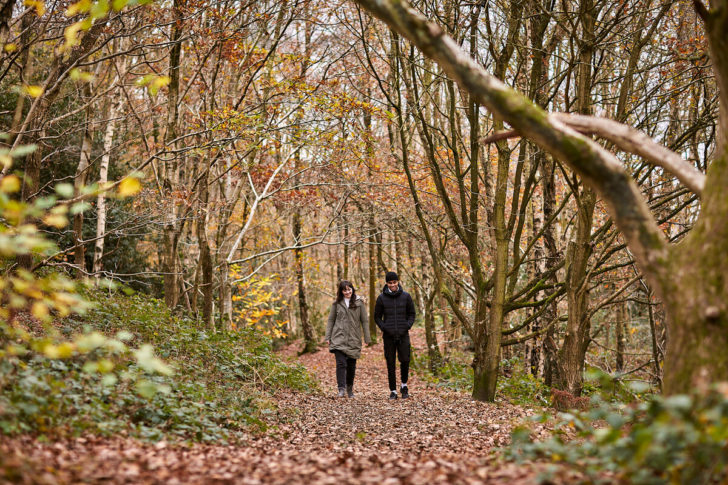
x,y
103,179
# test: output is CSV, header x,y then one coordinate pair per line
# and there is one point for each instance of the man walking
x,y
394,314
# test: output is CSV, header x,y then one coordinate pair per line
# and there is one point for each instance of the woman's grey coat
x,y
344,328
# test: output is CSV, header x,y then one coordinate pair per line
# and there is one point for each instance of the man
x,y
394,314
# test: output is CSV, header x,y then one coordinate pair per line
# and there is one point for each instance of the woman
x,y
347,319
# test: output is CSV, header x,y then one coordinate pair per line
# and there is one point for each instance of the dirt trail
x,y
434,437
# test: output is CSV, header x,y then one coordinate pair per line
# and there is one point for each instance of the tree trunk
x,y
372,285
573,351
576,340
433,349
26,71
656,352
486,360
103,179
79,181
171,226
205,263
226,296
309,335
619,336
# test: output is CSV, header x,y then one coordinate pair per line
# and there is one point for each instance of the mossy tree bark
x,y
576,341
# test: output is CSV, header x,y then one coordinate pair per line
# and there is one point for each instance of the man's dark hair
x,y
391,276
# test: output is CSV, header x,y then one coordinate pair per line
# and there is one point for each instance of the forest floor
x,y
436,436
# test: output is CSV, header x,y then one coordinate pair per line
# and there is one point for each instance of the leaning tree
x,y
690,277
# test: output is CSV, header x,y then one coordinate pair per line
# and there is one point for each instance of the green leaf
x,y
638,387
65,190
23,150
44,203
99,9
124,335
117,5
147,361
678,403
79,207
109,380
91,341
146,389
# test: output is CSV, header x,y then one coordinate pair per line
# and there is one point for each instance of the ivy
x,y
662,440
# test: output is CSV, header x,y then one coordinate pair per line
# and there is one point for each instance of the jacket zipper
x,y
395,316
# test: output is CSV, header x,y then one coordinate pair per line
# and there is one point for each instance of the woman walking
x,y
347,319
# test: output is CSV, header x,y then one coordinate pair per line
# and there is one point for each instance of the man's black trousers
x,y
345,369
396,347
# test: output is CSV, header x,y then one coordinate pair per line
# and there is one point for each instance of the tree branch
x,y
634,141
599,168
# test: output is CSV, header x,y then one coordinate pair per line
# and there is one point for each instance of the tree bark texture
x,y
171,226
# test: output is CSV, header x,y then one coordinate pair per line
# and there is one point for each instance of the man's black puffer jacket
x,y
394,313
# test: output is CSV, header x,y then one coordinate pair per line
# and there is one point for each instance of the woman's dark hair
x,y
343,284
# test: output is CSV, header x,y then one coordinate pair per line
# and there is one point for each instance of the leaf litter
x,y
437,436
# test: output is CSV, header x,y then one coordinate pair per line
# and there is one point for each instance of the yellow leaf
x,y
39,6
159,82
51,351
56,220
78,75
71,33
78,7
39,310
105,366
119,4
9,184
10,47
33,91
129,186
65,350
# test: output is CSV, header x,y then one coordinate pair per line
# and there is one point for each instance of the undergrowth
x,y
653,440
220,384
515,384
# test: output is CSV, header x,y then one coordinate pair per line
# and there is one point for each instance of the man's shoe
x,y
393,395
350,391
405,392
342,392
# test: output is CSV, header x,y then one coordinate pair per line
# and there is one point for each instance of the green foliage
x,y
515,384
227,359
62,372
220,386
454,373
45,376
664,440
520,386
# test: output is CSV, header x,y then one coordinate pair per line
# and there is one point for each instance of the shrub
x,y
454,373
519,386
675,439
219,387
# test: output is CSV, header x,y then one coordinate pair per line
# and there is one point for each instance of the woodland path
x,y
436,436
